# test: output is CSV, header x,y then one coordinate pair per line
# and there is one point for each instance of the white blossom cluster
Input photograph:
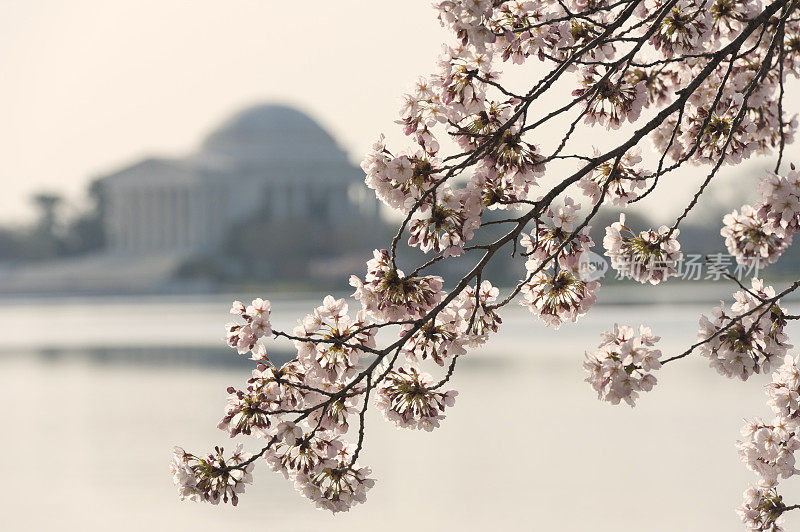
x,y
718,123
749,337
342,341
649,257
338,485
213,478
507,174
685,28
458,100
615,98
555,239
439,339
387,293
244,337
621,182
554,290
322,467
768,449
780,203
761,510
477,315
465,323
490,32
558,296
623,364
759,235
446,221
784,394
620,62
269,389
750,238
321,382
410,399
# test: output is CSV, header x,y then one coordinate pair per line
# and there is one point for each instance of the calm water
x,y
94,395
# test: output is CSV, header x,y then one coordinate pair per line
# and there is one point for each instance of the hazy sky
x,y
90,85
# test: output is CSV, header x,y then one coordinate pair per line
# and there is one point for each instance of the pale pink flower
x,y
408,398
752,343
335,343
338,485
557,297
213,478
651,256
243,337
622,365
386,293
750,238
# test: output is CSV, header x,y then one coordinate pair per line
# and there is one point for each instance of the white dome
x,y
272,136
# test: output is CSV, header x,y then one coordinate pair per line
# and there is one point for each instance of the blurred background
x,y
162,158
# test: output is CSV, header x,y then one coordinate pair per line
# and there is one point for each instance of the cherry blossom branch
x,y
710,73
734,321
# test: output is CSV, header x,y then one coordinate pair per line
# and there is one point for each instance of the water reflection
x,y
527,446
213,357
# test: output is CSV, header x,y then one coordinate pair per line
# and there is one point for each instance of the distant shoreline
x,y
610,293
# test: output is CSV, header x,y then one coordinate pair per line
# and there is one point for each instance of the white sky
x,y
88,86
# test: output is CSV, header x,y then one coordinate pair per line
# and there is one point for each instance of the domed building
x,y
270,160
